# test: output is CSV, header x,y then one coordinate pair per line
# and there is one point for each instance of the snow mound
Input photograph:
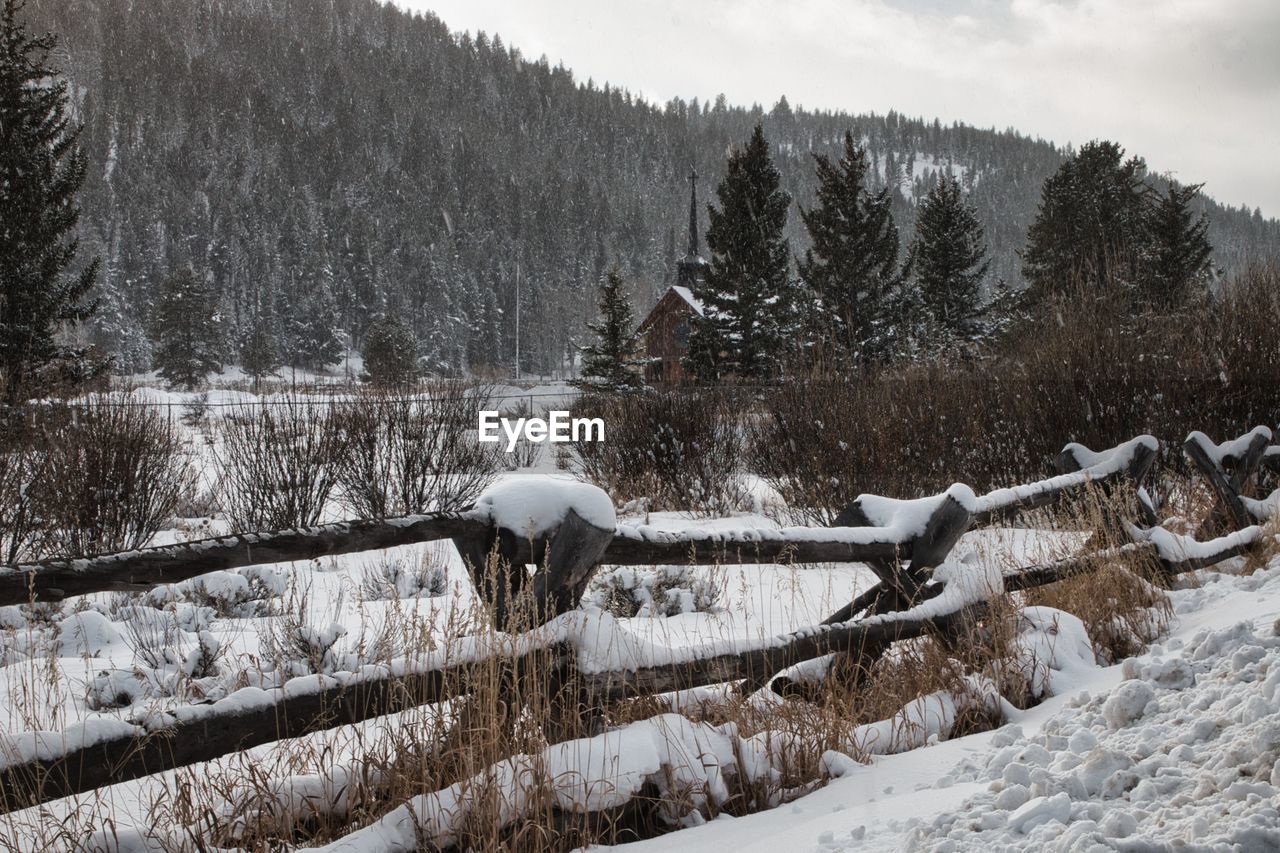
x,y
535,505
1183,754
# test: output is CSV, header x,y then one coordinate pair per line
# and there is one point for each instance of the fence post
x,y
1227,487
900,588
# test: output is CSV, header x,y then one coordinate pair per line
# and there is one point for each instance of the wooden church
x,y
664,333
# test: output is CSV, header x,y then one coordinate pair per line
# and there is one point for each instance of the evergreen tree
x,y
611,364
259,351
853,263
390,353
948,261
41,170
1179,265
748,294
188,330
1089,234
315,341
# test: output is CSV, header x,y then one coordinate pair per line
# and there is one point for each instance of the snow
x,y
1176,548
908,518
966,580
687,295
1096,466
535,505
1233,449
672,753
1195,767
1265,509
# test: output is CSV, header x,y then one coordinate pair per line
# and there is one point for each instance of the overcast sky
x,y
1191,85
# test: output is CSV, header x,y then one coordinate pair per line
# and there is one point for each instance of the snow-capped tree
x,y
187,327
853,264
390,353
315,338
260,350
41,169
611,363
948,262
749,322
1179,263
1090,231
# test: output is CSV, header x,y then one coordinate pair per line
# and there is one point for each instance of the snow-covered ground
x,y
1178,749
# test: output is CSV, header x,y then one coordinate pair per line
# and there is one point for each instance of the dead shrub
x,y
1122,608
23,530
410,454
279,462
681,449
1085,370
114,476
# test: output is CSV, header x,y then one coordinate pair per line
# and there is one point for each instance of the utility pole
x,y
517,371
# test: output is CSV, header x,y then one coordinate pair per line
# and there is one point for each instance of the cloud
x,y
1192,86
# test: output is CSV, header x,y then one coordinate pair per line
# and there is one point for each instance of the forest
x,y
316,166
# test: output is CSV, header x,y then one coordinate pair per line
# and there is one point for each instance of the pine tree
x,y
1179,265
948,261
853,263
188,330
259,351
611,364
749,324
41,170
390,353
1089,234
315,341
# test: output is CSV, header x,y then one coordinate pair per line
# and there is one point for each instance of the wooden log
x,y
54,580
758,665
1136,472
1240,471
1226,488
627,550
899,588
212,735
573,555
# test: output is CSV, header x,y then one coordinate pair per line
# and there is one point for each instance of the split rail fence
x,y
901,541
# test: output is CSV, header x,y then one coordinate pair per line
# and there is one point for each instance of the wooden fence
x,y
903,542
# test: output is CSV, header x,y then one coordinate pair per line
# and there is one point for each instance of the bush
x,y
279,463
1086,372
405,455
106,476
22,530
680,449
660,591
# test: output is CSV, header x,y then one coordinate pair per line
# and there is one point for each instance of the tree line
x,y
1100,230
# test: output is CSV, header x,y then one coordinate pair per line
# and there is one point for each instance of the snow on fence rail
x,y
568,532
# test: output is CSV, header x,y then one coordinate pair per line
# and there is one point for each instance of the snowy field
x,y
1176,749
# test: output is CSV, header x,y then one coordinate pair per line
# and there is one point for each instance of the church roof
x,y
687,295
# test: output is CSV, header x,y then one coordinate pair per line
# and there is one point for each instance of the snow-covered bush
x,y
398,577
293,643
659,591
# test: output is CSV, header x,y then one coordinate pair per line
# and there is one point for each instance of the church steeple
x,y
691,270
693,213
